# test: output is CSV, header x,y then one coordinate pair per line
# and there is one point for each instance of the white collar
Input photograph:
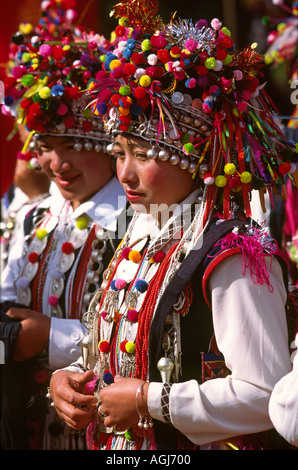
x,y
104,207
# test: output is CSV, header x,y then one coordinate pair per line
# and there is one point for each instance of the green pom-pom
x,y
27,80
210,63
124,90
188,149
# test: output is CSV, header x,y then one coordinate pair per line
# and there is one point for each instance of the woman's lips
x,y
64,182
133,195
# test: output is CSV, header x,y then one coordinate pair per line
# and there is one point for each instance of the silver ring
x,y
115,430
101,413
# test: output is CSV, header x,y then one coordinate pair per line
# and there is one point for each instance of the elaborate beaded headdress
x,y
200,102
51,65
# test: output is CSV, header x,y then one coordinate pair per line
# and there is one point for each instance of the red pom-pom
x,y
122,346
115,99
140,92
40,376
119,31
104,346
163,55
137,58
159,256
284,168
67,248
33,257
129,69
87,126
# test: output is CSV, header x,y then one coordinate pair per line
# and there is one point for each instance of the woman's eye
x,y
142,156
119,154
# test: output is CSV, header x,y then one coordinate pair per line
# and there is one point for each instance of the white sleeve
x,y
12,270
251,332
64,345
283,405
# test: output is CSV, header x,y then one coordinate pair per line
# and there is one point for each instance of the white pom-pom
x,y
55,274
22,283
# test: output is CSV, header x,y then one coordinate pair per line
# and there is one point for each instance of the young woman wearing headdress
x,y
188,333
69,238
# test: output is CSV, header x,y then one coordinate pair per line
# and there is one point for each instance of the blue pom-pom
x,y
57,90
113,287
108,378
141,285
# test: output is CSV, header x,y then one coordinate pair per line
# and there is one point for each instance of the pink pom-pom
x,y
216,24
190,45
89,387
238,75
53,300
125,252
120,284
242,106
132,315
62,110
45,50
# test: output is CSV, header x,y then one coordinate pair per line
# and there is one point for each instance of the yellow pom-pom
x,y
45,92
229,169
220,181
245,177
26,28
114,64
81,223
134,256
130,347
66,47
145,81
41,233
123,111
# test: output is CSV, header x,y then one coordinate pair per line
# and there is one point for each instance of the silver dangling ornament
x,y
152,154
165,366
163,155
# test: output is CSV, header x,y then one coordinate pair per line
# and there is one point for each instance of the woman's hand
x,y
118,403
34,333
72,405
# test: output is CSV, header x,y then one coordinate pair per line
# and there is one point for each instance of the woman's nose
x,y
126,171
59,163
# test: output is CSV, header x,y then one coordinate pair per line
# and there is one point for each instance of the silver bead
x,y
88,146
98,148
78,147
110,149
203,168
184,164
163,155
192,167
152,154
174,159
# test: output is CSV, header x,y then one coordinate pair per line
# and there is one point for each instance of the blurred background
x,y
242,17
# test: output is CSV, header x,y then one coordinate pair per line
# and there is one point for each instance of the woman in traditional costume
x,y
188,334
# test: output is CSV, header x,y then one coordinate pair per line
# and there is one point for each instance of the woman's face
x,y
148,183
78,175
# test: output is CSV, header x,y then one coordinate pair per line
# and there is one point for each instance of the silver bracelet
x,y
144,421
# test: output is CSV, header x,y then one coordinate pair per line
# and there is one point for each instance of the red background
x,y
28,11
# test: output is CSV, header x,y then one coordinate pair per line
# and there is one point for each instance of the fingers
x,y
77,418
